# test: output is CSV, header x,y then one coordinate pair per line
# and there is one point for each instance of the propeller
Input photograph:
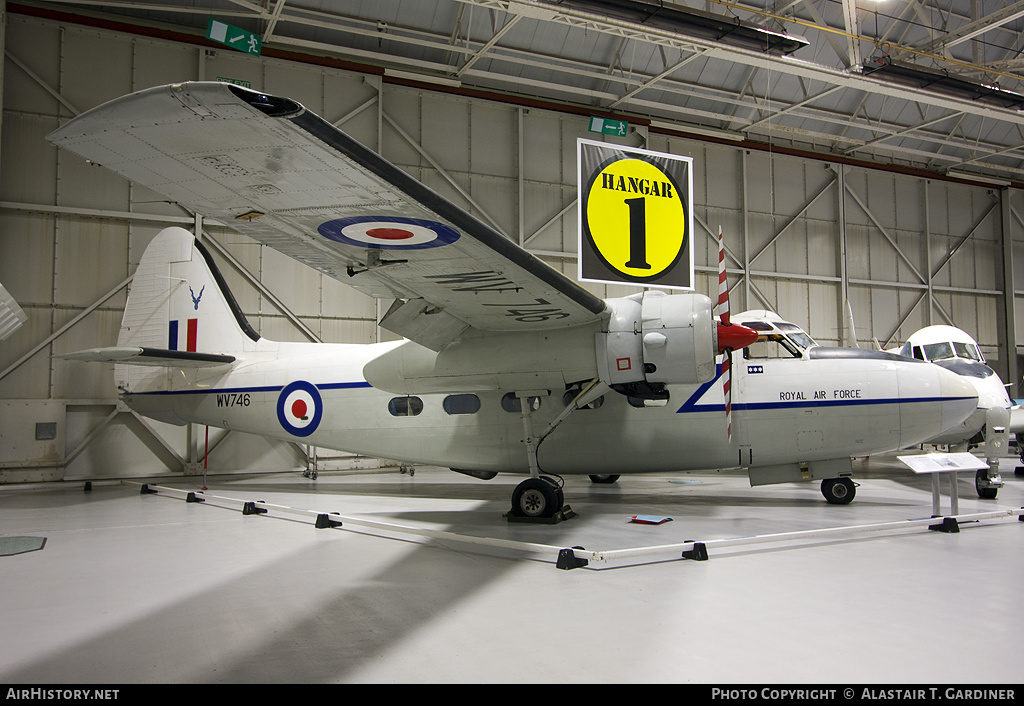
x,y
730,336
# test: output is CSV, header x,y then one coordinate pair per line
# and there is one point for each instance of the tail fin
x,y
180,302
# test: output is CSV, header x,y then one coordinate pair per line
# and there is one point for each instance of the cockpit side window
x,y
802,339
772,346
797,335
968,351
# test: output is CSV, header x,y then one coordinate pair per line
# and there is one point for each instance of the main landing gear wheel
x,y
609,478
537,497
981,484
839,491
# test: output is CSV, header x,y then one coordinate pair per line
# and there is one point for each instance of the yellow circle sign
x,y
636,218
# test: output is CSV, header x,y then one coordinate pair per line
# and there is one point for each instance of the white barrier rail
x,y
578,557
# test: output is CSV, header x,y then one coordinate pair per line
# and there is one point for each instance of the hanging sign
x,y
635,217
606,126
234,37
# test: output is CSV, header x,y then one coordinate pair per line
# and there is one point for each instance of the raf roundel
x,y
299,408
389,233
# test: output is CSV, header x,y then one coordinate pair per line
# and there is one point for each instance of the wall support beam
x,y
59,332
1009,300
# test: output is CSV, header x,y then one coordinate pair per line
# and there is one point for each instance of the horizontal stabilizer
x,y
157,357
11,315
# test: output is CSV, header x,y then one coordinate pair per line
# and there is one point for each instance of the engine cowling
x,y
656,339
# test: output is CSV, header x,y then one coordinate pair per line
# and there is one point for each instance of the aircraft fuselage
x,y
784,411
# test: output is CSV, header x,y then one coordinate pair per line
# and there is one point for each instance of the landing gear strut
x,y
540,497
839,491
997,442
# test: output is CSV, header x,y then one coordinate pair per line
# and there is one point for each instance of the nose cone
x,y
989,386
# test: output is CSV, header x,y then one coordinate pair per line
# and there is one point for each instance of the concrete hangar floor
x,y
149,588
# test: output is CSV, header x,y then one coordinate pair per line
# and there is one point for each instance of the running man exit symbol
x,y
234,37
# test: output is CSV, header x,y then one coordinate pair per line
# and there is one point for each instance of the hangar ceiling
x,y
933,85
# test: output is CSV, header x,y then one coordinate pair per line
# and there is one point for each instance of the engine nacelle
x,y
655,339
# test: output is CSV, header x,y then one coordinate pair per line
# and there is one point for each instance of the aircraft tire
x,y
536,497
607,478
838,491
984,492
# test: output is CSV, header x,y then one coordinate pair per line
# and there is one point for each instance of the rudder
x,y
179,301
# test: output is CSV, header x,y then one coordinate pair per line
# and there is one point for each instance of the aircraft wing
x,y
285,177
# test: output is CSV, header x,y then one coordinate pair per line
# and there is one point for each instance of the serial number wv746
x,y
233,399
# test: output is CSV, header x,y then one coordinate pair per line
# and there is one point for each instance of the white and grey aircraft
x,y
506,365
996,417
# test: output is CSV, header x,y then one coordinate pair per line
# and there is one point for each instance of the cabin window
x,y
405,406
511,403
461,404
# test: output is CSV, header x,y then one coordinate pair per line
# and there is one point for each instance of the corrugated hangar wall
x,y
802,235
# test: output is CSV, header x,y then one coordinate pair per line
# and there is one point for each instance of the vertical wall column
x,y
928,253
746,233
1009,298
844,281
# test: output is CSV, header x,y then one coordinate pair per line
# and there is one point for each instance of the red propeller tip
x,y
735,337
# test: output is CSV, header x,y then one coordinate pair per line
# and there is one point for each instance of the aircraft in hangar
x,y
996,416
506,364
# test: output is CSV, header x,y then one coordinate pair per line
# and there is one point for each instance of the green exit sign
x,y
235,81
609,127
234,37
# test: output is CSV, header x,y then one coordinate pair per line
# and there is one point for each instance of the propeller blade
x,y
725,327
727,390
730,336
723,285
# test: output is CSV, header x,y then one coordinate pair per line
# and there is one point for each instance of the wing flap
x,y
289,179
